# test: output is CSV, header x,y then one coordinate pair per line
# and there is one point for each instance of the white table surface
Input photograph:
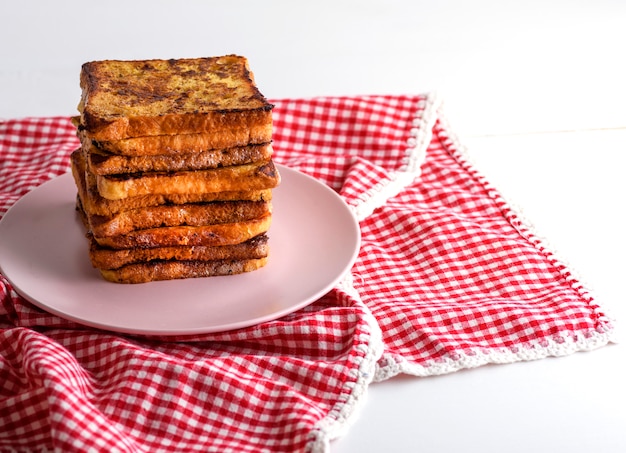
x,y
534,89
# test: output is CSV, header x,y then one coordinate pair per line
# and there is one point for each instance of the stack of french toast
x,y
175,171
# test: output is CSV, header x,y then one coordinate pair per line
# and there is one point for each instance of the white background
x,y
534,89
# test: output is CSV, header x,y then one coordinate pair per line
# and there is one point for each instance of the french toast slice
x,y
95,204
190,214
205,235
124,99
106,258
254,176
177,215
186,143
174,269
103,163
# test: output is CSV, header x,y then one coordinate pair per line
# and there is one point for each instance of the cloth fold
x,y
448,277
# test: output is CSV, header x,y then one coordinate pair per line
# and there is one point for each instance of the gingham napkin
x,y
448,277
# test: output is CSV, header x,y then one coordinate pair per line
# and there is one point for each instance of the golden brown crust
x,y
106,258
102,163
236,126
122,99
197,214
170,270
207,235
95,204
255,176
217,138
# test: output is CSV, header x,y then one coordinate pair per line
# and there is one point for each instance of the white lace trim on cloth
x,y
338,421
540,349
417,145
370,369
341,417
475,358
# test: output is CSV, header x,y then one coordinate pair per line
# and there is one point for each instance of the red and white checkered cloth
x,y
448,277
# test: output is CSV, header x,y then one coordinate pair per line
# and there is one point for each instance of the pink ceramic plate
x,y
314,241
